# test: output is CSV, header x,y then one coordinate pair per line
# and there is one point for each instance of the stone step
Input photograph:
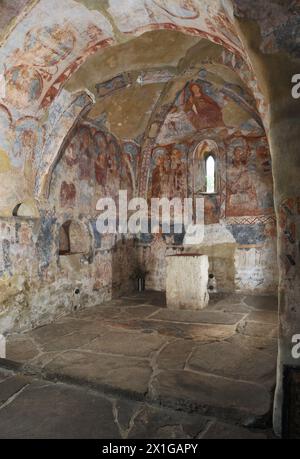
x,y
246,404
242,402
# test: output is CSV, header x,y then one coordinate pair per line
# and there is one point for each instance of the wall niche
x,y
74,238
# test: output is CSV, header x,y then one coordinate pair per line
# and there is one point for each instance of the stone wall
x,y
240,235
39,278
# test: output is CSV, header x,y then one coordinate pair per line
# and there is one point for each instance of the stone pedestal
x,y
187,279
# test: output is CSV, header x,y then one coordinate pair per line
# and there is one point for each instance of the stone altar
x,y
186,283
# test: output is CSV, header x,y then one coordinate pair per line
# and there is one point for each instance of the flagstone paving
x,y
37,409
219,363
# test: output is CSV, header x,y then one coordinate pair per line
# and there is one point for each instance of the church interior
x,y
146,335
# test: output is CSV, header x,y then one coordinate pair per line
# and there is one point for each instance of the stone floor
x,y
140,370
33,408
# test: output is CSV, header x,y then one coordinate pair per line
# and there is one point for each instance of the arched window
x,y
210,169
205,168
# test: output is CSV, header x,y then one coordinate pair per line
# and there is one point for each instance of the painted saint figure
x,y
202,111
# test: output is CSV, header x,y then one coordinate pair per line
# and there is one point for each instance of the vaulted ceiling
x,y
132,80
125,65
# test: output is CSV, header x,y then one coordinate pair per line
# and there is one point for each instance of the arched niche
x,y
210,174
25,210
74,238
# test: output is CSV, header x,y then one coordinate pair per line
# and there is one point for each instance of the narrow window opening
x,y
210,174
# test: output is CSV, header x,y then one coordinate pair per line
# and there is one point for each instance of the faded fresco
x,y
224,90
91,162
195,126
58,168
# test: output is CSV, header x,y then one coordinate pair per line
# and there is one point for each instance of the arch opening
x,y
74,239
210,167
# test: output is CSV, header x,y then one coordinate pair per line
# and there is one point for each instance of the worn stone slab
x,y
137,312
130,301
45,410
222,431
109,348
73,340
43,359
121,310
175,355
206,317
233,360
225,299
21,348
197,332
149,297
158,301
55,330
124,414
70,334
107,311
212,395
260,302
258,329
128,343
268,317
117,373
11,386
156,423
268,345
92,324
230,304
4,375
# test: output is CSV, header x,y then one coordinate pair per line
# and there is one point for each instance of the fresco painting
x,y
28,141
203,105
52,52
202,111
182,9
67,194
24,85
103,163
48,54
169,176
50,45
99,160
244,184
219,84
132,160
